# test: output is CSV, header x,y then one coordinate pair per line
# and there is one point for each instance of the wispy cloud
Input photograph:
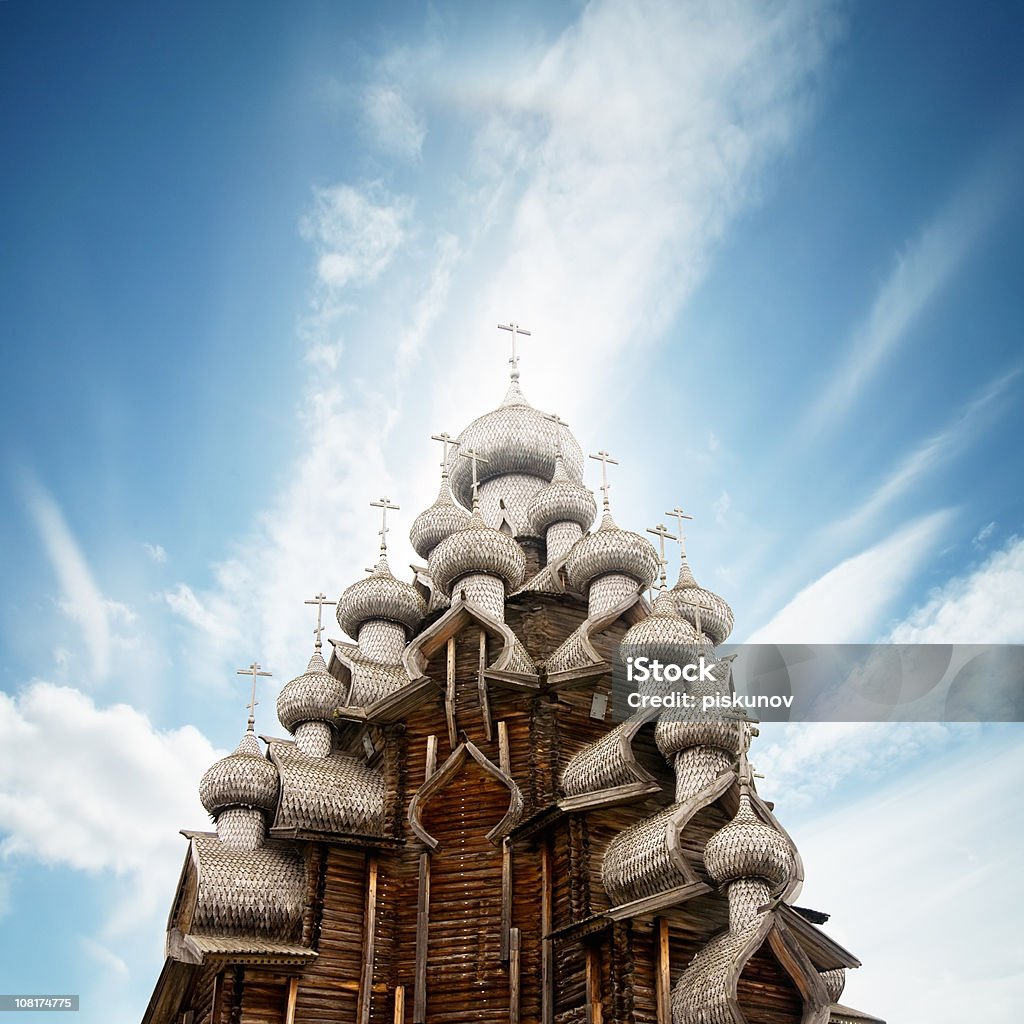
x,y
847,603
928,457
391,122
983,606
81,598
156,552
920,274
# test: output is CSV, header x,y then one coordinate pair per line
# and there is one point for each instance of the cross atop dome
x,y
319,600
605,459
253,670
514,361
384,504
474,457
446,440
661,532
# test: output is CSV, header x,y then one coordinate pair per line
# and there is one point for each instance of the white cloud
x,y
355,232
982,536
847,603
983,606
105,957
909,872
184,603
98,789
394,126
721,507
81,600
156,552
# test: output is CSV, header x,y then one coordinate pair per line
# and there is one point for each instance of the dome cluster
x,y
242,779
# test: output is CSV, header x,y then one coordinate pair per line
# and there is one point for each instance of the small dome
x,y
564,500
748,848
441,520
311,697
609,549
242,779
716,617
380,596
514,438
477,548
664,627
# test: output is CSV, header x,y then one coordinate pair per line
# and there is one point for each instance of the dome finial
x,y
474,457
514,361
320,600
685,575
446,439
661,532
254,671
604,458
384,504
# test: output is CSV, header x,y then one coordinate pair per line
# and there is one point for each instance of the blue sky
x,y
772,258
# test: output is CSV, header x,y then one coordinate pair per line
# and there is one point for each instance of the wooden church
x,y
455,830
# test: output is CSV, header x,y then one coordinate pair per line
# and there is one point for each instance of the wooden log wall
x,y
766,993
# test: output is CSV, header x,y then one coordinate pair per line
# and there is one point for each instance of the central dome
x,y
514,438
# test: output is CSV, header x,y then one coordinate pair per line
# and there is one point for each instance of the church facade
x,y
454,829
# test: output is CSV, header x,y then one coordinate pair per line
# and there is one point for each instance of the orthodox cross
x,y
678,514
605,459
446,439
515,329
559,423
320,600
254,671
384,504
662,534
474,457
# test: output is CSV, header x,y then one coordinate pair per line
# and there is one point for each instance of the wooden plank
x,y
431,765
293,995
547,971
513,977
419,1006
481,687
399,1016
449,696
663,973
593,985
370,922
506,896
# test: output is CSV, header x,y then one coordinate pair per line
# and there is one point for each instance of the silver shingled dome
x,y
477,548
441,520
514,438
380,596
564,500
311,697
610,549
242,779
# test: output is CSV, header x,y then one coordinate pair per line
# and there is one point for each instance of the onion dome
x,y
242,779
514,438
311,697
663,627
693,602
611,550
748,848
477,548
564,500
380,596
441,520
